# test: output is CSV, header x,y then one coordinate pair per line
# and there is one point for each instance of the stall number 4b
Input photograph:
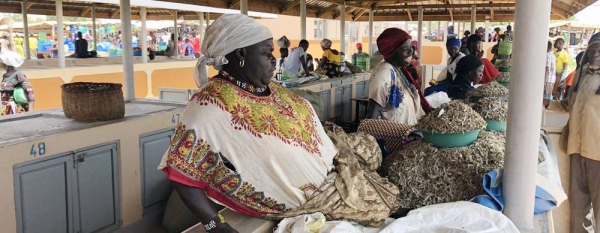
x,y
38,150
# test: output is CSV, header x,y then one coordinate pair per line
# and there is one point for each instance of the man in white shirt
x,y
296,62
550,73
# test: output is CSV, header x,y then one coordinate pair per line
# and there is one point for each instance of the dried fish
x,y
492,89
503,77
491,108
427,175
452,117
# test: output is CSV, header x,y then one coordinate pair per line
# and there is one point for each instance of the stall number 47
x,y
38,150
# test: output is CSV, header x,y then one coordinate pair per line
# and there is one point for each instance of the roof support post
x,y
60,34
94,32
25,30
525,111
420,31
473,18
244,7
125,12
371,49
446,32
303,19
343,28
143,38
176,34
487,27
201,26
207,17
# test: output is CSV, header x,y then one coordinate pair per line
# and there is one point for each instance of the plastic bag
x,y
283,42
437,99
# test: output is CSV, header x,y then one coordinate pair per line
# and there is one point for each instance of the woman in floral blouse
x,y
16,93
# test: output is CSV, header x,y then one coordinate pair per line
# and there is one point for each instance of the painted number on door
x,y
38,150
175,119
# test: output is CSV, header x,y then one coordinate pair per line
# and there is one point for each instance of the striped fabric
x,y
394,134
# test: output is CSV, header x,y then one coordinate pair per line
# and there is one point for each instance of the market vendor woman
x,y
469,72
16,92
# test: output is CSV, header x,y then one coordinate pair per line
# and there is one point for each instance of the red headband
x,y
390,40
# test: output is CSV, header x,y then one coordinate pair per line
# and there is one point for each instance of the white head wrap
x,y
11,58
226,34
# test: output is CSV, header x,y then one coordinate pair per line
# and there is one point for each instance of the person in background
x,y
569,80
188,49
509,33
392,94
579,139
195,44
481,33
33,46
180,46
81,47
331,60
562,64
415,67
16,93
469,72
446,78
496,35
310,64
474,44
550,73
19,45
171,47
360,58
297,61
464,49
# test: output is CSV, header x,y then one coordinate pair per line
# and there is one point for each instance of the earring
x,y
242,63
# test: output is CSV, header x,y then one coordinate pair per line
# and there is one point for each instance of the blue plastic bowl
x,y
493,125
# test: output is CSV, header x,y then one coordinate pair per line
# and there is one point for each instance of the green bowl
x,y
493,125
449,140
504,69
504,84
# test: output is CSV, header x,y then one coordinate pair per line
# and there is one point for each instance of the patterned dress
x,y
9,82
270,157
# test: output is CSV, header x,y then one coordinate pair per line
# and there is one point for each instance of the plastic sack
x,y
456,217
283,42
316,223
437,99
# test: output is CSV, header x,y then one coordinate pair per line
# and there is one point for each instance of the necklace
x,y
246,86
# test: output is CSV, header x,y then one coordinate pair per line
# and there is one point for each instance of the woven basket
x,y
86,101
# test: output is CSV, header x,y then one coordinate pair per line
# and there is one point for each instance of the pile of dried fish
x,y
427,175
491,108
354,69
504,63
492,89
504,77
451,117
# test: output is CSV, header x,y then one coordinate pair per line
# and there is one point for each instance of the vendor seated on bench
x,y
81,48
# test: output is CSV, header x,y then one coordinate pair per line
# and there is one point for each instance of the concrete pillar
x,y
524,111
429,28
446,32
303,19
420,30
207,17
244,7
25,31
60,34
201,27
487,26
144,35
473,18
176,34
371,50
125,7
406,26
343,28
94,29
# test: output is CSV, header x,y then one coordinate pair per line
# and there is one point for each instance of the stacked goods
x,y
494,111
453,124
503,78
492,89
427,175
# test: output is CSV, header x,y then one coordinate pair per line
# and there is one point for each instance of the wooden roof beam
x,y
409,15
85,11
29,5
446,6
492,14
290,5
114,13
327,10
359,14
234,4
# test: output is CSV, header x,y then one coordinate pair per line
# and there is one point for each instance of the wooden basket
x,y
86,101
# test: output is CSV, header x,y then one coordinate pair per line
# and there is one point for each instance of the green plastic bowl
x,y
449,140
504,84
504,69
493,125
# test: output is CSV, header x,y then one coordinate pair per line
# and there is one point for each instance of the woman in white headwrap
x,y
259,149
16,93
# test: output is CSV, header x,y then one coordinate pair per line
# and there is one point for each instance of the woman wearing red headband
x,y
393,92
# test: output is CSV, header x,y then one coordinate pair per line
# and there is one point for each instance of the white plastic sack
x,y
456,217
316,223
437,99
